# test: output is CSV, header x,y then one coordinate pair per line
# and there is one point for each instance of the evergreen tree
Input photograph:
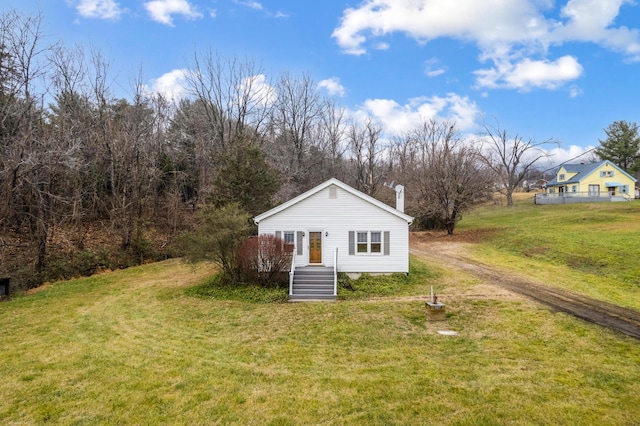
x,y
622,145
246,178
217,235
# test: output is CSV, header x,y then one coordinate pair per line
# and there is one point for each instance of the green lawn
x,y
592,249
132,347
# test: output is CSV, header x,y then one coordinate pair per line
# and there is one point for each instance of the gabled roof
x,y
341,185
582,171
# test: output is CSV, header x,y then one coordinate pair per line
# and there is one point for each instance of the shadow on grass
x,y
218,288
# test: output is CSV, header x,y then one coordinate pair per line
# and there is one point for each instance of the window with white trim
x,y
363,242
376,242
369,242
289,237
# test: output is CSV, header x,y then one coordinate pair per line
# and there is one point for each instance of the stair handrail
x,y
292,271
335,272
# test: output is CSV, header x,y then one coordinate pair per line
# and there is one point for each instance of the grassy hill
x,y
132,347
592,249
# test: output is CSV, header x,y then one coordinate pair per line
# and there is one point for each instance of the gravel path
x,y
624,320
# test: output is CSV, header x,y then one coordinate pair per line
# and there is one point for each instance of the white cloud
x,y
592,21
103,9
251,4
575,91
433,68
515,35
257,92
172,85
163,10
485,22
528,74
574,154
332,86
397,119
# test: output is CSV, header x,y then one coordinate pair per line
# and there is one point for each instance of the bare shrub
x,y
263,259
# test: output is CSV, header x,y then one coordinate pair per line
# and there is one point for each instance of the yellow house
x,y
603,180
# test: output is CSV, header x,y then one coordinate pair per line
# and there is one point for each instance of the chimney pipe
x,y
400,198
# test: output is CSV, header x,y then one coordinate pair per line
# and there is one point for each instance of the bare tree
x,y
234,95
364,143
296,114
232,100
26,161
510,158
330,140
447,178
70,117
357,147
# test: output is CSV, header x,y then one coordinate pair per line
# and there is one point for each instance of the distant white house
x,y
341,229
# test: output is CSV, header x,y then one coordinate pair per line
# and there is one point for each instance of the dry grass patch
x,y
586,248
131,348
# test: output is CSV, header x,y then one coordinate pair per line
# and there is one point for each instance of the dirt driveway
x,y
450,253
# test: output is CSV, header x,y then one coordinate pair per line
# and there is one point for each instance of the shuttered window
x,y
369,242
289,237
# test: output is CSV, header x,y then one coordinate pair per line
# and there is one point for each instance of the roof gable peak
x,y
326,184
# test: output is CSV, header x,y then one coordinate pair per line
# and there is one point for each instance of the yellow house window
x,y
561,176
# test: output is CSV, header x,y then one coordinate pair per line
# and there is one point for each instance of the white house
x,y
336,228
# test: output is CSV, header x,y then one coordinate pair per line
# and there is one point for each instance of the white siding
x,y
335,217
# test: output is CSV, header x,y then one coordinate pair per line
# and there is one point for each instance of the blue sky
x,y
540,68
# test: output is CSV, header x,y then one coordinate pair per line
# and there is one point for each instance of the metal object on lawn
x,y
436,311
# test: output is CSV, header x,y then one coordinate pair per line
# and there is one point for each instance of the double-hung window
x,y
363,242
376,242
369,242
289,237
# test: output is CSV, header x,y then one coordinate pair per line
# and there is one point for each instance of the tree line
x,y
73,155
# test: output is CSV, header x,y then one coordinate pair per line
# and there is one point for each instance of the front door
x,y
315,247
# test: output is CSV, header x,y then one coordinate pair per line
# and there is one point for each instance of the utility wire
x,y
570,159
